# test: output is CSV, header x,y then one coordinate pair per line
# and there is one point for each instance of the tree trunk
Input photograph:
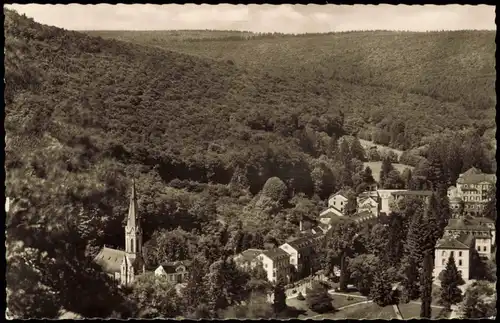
x,y
343,280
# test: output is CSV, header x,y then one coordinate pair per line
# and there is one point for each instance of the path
x,y
398,313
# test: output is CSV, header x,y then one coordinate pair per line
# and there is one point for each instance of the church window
x,y
132,245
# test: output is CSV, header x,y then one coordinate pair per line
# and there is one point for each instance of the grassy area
x,y
364,311
342,300
412,310
376,166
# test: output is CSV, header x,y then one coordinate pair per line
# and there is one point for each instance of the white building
x,y
276,264
460,248
176,271
338,201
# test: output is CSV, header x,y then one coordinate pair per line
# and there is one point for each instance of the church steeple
x,y
133,230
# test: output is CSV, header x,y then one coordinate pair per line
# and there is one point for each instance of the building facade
x,y
338,201
460,248
276,264
125,265
473,188
176,272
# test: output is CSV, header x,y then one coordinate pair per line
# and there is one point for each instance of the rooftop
x,y
172,266
302,242
275,253
466,239
413,193
110,259
470,224
451,243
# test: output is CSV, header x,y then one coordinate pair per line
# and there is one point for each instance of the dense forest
x,y
226,154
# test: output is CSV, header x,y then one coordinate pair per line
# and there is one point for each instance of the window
x,y
443,253
484,248
460,262
478,248
265,265
443,262
452,254
460,253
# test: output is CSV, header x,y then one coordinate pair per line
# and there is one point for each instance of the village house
x,y
276,264
176,271
303,254
461,247
125,265
472,187
247,260
338,201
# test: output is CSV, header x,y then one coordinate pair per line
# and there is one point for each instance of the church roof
x,y
110,259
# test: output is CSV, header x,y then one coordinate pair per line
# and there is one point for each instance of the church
x,y
125,265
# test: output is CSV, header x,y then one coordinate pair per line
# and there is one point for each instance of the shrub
x,y
318,299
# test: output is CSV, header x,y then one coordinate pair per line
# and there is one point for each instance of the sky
x,y
261,18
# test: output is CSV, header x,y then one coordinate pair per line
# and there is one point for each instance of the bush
x,y
300,297
318,299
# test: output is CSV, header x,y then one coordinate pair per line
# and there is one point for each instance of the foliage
x,y
426,286
480,301
450,280
279,302
317,298
257,308
155,296
381,289
339,244
363,269
194,293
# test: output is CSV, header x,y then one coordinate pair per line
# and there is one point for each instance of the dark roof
x,y
466,239
476,178
451,243
466,224
248,255
302,242
413,193
110,259
171,267
275,253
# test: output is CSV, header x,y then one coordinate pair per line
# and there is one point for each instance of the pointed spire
x,y
132,210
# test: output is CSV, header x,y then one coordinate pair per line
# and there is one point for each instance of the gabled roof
x,y
451,243
471,171
275,253
171,267
339,193
331,211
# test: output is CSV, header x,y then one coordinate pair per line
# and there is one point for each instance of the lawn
x,y
377,166
342,300
364,311
412,310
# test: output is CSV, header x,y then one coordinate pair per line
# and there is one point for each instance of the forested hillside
x,y
226,155
395,87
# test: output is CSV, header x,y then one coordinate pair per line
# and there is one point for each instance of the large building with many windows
x,y
472,190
